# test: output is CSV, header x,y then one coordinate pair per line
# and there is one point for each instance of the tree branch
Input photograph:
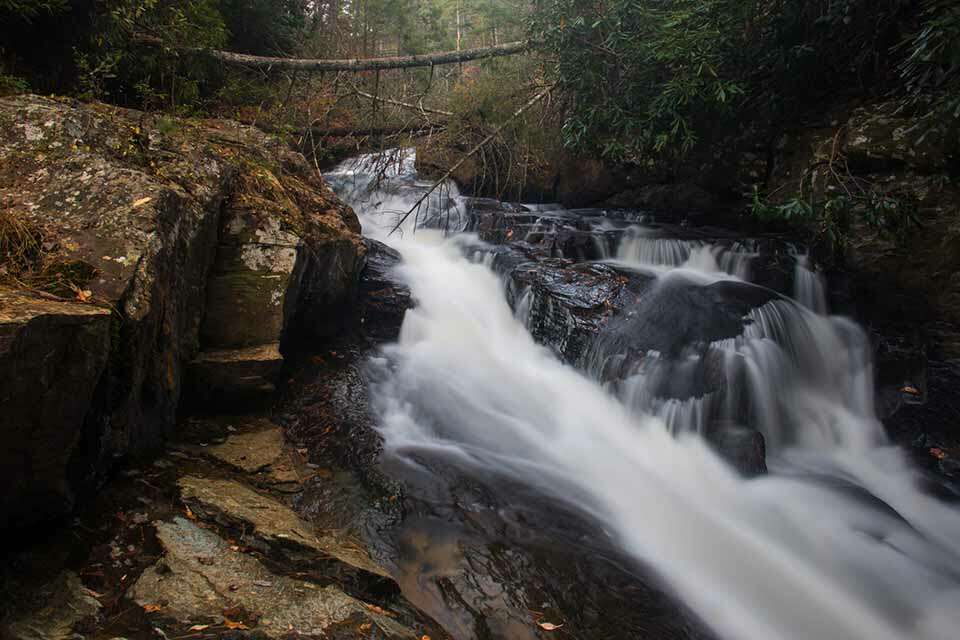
x,y
397,103
516,114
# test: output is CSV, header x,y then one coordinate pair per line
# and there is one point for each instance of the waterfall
x,y
809,289
837,542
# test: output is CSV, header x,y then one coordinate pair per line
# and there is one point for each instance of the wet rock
x,y
569,306
383,299
65,604
200,578
742,447
270,525
52,355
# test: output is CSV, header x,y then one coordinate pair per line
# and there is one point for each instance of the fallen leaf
x,y
142,201
380,610
365,626
938,453
151,608
198,627
230,624
189,513
424,637
549,626
84,295
913,391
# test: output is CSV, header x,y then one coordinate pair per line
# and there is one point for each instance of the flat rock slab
x,y
66,604
252,451
201,577
253,445
271,522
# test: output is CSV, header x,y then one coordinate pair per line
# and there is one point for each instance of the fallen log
x,y
270,63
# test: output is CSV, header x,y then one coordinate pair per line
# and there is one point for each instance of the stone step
x,y
272,527
202,579
252,445
225,376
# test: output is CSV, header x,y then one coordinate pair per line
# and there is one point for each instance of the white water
x,y
641,248
798,554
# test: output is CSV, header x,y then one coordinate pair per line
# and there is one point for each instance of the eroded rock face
x,y
52,355
197,235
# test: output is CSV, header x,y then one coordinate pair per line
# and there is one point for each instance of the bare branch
x,y
516,114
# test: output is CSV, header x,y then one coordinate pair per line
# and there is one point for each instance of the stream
x,y
658,427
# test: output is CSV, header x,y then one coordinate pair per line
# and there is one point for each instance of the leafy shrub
x,y
650,81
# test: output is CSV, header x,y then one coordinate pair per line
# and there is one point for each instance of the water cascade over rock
x,y
615,367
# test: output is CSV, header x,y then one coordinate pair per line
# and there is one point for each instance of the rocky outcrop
x,y
383,299
178,237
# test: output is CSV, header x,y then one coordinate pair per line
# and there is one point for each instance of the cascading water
x,y
836,542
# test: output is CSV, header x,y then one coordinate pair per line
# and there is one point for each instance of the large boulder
x,y
174,236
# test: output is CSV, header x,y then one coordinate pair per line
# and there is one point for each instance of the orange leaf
x,y
230,624
549,626
151,608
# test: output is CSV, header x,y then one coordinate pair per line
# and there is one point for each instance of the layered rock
x,y
179,236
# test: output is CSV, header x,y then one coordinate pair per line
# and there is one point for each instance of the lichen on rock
x,y
204,235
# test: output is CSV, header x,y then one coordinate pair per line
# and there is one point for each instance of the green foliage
x,y
649,81
264,27
892,215
12,85
932,58
30,9
113,66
